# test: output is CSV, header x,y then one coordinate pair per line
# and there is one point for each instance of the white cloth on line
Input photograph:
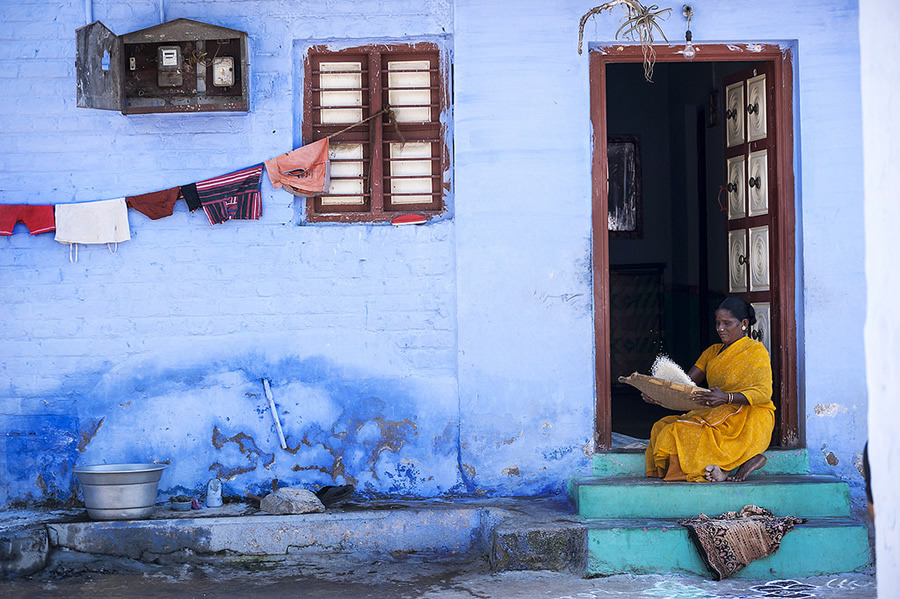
x,y
104,221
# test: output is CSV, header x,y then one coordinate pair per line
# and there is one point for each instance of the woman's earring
x,y
743,328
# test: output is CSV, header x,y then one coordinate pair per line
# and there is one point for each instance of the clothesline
x,y
304,171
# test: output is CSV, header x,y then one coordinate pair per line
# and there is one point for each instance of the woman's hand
x,y
650,400
712,398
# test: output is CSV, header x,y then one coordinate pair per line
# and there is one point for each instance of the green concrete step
x,y
804,496
631,463
821,546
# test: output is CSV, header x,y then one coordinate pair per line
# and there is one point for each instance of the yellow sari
x,y
727,435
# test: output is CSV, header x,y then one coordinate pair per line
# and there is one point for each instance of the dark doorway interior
x,y
665,282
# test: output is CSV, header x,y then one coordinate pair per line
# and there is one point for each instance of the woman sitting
x,y
735,427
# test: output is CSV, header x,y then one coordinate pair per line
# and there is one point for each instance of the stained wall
x,y
451,358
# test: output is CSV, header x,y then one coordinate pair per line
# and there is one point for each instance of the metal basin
x,y
120,491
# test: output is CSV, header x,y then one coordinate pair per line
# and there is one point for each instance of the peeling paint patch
x,y
86,435
511,471
557,453
469,470
858,463
247,446
303,442
395,433
831,459
299,468
829,409
404,480
446,442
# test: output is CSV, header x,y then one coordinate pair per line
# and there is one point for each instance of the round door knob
x,y
755,182
731,113
731,187
742,260
751,108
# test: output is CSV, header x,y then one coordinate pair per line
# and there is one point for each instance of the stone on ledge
x,y
291,501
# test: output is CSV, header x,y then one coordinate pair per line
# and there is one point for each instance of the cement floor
x,y
188,574
78,575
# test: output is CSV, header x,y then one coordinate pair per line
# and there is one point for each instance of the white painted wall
x,y
878,22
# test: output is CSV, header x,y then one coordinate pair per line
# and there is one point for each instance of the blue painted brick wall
x,y
156,351
451,358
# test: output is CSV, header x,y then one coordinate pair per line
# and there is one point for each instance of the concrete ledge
x,y
23,552
515,534
559,548
446,531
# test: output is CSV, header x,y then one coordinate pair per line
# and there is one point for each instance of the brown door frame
x,y
782,245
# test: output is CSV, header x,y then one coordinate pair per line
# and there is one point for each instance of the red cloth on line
x,y
305,171
38,219
155,205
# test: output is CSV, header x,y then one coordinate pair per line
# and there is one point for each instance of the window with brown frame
x,y
381,106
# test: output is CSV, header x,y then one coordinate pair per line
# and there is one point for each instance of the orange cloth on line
x,y
726,435
305,171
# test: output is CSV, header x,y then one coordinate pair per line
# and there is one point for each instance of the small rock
x,y
291,501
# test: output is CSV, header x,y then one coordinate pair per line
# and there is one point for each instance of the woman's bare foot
x,y
751,465
714,474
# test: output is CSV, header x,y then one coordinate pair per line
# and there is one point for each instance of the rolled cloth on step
x,y
734,539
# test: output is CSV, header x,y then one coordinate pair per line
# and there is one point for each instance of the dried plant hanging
x,y
638,24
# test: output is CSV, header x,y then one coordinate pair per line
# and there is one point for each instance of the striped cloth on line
x,y
232,196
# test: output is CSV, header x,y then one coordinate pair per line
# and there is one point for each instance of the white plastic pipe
x,y
274,413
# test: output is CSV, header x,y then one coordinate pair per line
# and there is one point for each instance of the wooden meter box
x,y
179,66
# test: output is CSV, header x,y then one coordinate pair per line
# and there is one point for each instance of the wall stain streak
x,y
88,434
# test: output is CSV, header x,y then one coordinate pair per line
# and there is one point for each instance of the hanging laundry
x,y
305,171
38,219
231,196
190,197
155,205
104,221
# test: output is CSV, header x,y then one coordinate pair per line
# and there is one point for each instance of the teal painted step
x,y
631,463
821,546
802,496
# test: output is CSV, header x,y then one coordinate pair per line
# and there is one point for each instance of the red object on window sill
x,y
408,219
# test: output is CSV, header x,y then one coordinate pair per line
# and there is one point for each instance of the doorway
x,y
662,268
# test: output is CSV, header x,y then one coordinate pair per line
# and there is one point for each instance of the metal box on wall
x,y
178,66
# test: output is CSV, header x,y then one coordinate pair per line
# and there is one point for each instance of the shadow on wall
x,y
382,435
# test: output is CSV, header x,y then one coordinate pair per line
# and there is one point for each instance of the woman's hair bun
x,y
741,309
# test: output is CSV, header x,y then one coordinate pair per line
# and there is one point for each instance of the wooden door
x,y
751,153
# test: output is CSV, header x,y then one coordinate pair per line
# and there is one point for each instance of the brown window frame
x,y
376,134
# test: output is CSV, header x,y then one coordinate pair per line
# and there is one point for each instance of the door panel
x,y
736,200
759,258
734,114
737,261
758,183
761,331
756,108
